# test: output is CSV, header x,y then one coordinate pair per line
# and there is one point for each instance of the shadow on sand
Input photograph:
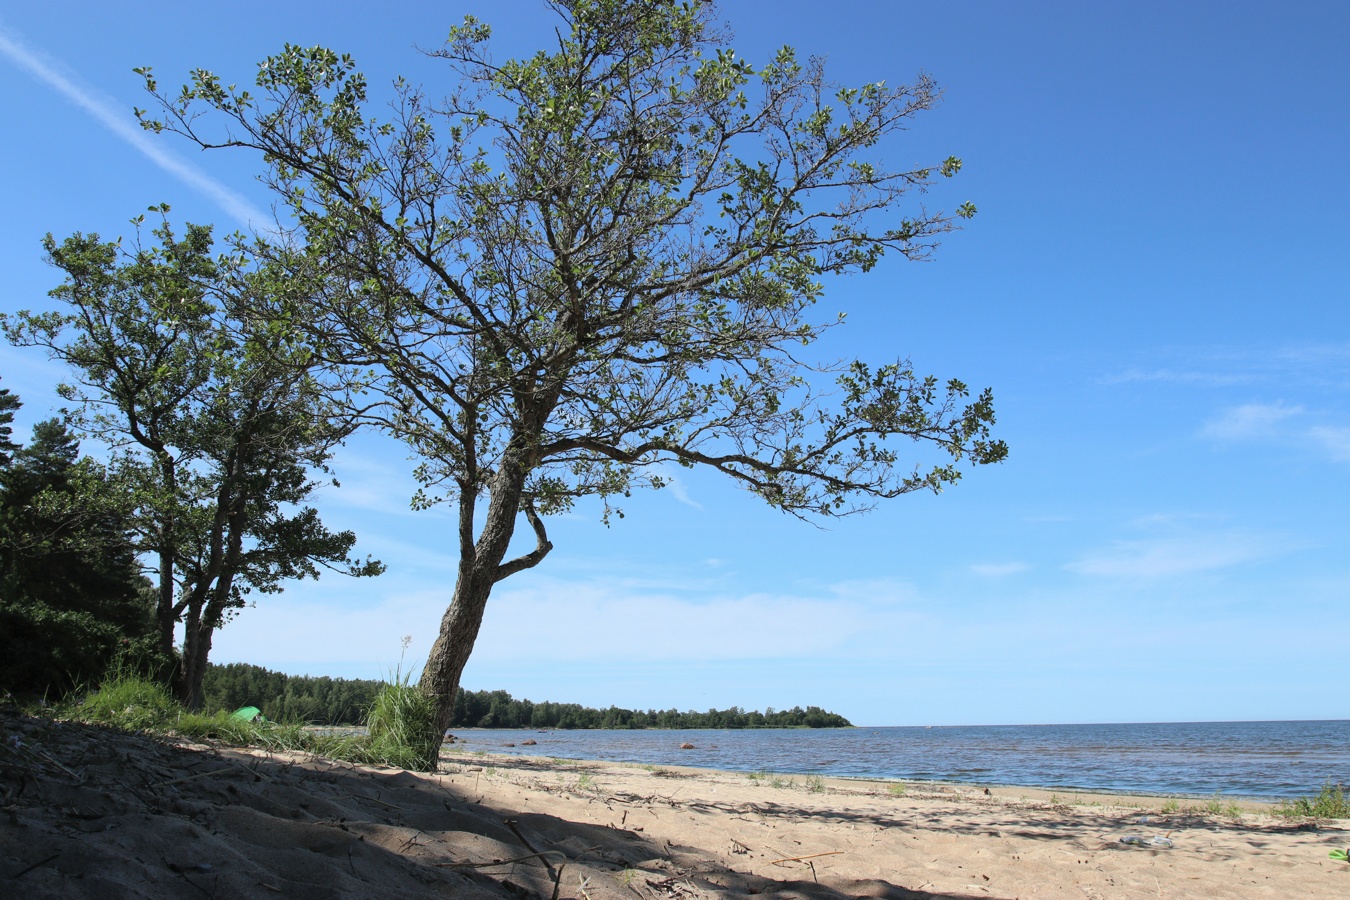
x,y
90,813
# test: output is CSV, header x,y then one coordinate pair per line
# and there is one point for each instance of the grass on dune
x,y
1330,803
400,724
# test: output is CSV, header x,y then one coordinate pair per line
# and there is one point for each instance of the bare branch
x,y
535,556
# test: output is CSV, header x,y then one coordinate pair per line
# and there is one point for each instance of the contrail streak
x,y
107,113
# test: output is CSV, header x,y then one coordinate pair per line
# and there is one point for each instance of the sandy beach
x,y
90,813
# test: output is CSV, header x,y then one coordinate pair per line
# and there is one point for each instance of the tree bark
x,y
480,568
164,613
196,673
190,679
168,615
454,643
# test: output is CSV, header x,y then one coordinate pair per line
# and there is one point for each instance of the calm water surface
x,y
1240,759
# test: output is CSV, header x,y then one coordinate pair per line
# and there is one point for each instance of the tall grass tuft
x,y
402,727
1330,803
129,702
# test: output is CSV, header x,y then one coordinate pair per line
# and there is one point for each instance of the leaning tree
x,y
577,267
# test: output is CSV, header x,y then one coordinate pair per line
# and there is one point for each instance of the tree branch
x,y
535,556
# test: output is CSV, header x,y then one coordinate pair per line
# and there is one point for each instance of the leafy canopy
x,y
583,264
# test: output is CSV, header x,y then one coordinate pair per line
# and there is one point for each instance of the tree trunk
x,y
196,647
167,617
196,696
164,616
478,570
454,643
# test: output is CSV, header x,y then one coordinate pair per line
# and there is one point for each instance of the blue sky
x,y
1155,288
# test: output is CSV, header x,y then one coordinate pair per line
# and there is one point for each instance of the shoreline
x,y
1041,792
540,751
1052,795
95,813
1254,803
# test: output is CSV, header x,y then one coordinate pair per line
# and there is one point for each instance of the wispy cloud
x,y
1336,441
1154,520
1292,366
677,487
999,570
1173,376
1278,422
1174,556
1251,421
113,116
681,493
592,621
1314,356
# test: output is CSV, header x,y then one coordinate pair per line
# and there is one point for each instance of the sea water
x,y
1268,760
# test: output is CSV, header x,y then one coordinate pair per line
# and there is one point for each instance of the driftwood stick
x,y
193,777
36,751
542,857
381,802
807,856
557,880
253,770
37,865
500,862
557,875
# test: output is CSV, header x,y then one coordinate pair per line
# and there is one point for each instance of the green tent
x,y
248,714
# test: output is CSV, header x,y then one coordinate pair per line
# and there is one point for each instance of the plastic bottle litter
x,y
1138,840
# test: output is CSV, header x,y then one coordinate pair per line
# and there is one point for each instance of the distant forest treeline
x,y
343,701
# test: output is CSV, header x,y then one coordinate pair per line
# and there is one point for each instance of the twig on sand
x,y
542,857
557,876
500,862
253,770
374,800
511,823
46,757
37,865
193,777
807,856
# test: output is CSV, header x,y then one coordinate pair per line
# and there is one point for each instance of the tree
x,y
70,593
583,265
9,405
214,420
